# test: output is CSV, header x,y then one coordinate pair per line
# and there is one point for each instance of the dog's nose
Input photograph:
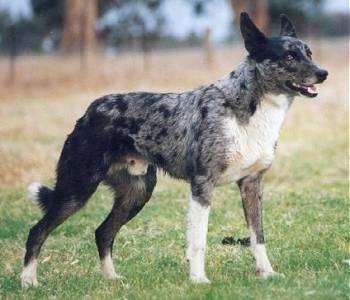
x,y
321,75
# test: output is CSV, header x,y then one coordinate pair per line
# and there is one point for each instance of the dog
x,y
220,133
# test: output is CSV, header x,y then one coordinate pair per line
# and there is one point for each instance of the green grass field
x,y
306,214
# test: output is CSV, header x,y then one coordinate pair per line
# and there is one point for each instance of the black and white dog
x,y
221,133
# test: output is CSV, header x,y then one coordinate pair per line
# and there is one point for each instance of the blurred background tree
x,y
258,9
72,25
78,30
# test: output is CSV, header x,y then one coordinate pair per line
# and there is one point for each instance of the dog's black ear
x,y
254,40
287,27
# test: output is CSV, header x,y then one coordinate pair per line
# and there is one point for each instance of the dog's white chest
x,y
251,147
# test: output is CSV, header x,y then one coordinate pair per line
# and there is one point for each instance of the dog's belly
x,y
242,165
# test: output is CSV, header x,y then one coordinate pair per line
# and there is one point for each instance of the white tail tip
x,y
33,191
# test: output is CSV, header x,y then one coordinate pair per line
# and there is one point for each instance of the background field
x,y
306,191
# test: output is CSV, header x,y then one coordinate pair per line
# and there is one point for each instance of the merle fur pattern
x,y
180,133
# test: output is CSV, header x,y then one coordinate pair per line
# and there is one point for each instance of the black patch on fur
x,y
120,122
252,107
161,134
159,159
190,165
130,123
197,190
204,112
134,125
122,144
196,133
45,198
184,132
290,68
227,104
122,104
175,109
274,50
148,98
164,110
232,74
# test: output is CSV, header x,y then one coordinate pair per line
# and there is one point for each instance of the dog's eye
x,y
289,57
308,53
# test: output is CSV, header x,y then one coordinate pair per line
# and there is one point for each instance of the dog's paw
x,y
270,274
200,279
28,275
28,280
112,276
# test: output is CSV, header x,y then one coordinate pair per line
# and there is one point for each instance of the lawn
x,y
306,209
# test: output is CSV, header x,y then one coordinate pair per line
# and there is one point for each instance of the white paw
x,y
28,280
28,276
200,279
269,274
112,275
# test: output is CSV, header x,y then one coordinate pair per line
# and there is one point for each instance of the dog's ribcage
x,y
252,146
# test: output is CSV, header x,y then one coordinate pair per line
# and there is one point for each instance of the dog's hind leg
x,y
132,193
251,192
62,204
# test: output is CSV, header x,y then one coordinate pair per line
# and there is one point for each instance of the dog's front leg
x,y
251,192
197,228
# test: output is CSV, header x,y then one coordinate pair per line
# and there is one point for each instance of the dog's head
x,y
285,62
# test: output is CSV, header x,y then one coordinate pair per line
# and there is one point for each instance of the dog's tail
x,y
41,195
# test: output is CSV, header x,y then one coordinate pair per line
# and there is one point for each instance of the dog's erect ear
x,y
287,27
254,40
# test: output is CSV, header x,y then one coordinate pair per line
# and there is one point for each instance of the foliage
x,y
300,11
21,35
49,13
134,23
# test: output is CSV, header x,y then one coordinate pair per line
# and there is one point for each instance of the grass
x,y
306,210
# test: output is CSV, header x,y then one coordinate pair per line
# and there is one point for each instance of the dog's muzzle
x,y
321,75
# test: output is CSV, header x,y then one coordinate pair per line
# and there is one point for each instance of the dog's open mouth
x,y
306,90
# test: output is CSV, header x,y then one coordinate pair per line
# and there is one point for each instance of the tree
x,y
258,10
302,12
79,26
49,12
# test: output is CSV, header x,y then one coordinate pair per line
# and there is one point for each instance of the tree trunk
x,y
89,23
79,26
257,9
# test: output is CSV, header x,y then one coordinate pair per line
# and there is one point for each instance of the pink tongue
x,y
311,89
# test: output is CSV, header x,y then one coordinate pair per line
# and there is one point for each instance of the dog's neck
x,y
244,89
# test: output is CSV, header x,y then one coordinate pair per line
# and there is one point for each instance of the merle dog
x,y
220,133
